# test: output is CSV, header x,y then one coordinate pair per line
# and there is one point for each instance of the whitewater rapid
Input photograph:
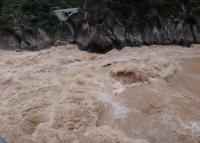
x,y
136,95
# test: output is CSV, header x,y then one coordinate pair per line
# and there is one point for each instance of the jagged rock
x,y
178,27
100,29
8,41
119,34
94,41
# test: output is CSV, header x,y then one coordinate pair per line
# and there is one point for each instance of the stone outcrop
x,y
15,37
100,28
180,27
14,41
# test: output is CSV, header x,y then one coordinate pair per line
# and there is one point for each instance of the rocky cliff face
x,y
31,24
14,41
108,24
134,25
15,37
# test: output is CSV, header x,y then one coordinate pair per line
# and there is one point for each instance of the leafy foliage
x,y
196,7
35,14
135,12
32,13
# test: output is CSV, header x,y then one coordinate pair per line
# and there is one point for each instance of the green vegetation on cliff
x,y
133,12
24,17
112,23
31,14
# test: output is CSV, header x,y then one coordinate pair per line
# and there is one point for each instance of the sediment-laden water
x,y
136,95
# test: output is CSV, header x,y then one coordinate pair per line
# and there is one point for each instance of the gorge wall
x,y
32,25
101,25
118,24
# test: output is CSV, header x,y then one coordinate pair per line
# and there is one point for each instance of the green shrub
x,y
33,14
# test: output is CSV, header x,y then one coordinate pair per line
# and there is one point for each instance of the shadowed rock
x,y
105,28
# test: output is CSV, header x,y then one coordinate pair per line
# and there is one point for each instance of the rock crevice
x,y
170,23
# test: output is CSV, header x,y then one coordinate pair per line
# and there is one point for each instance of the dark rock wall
x,y
106,24
11,40
169,23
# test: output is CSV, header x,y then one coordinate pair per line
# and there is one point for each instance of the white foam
x,y
118,109
118,88
171,69
194,127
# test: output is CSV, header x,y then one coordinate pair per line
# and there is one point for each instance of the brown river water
x,y
136,95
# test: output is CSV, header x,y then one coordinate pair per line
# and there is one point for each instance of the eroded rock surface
x,y
117,24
